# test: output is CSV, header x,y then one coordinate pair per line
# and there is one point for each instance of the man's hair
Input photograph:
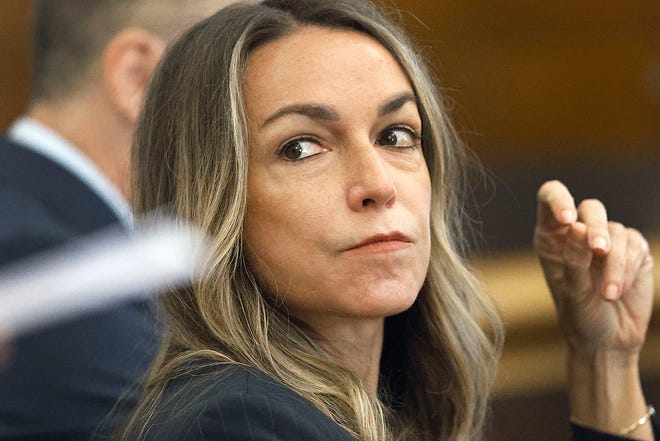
x,y
69,37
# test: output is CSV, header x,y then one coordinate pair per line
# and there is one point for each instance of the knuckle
x,y
636,241
617,265
575,255
635,236
592,204
616,228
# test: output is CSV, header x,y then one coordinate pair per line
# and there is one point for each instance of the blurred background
x,y
539,90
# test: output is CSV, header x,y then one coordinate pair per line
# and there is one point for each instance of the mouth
x,y
380,243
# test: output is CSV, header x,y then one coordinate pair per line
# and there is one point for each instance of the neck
x,y
93,129
354,344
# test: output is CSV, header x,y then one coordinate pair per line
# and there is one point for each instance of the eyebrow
x,y
396,103
312,111
326,113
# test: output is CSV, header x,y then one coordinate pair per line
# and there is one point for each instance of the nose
x,y
371,184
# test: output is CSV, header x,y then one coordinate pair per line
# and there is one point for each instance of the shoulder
x,y
26,225
41,204
239,403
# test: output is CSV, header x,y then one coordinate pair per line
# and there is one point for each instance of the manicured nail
x,y
600,243
612,291
567,216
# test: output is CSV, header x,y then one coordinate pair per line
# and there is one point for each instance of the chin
x,y
387,302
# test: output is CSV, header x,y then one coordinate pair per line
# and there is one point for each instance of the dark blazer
x,y
237,403
584,434
62,381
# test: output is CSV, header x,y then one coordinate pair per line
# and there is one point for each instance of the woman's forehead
x,y
320,65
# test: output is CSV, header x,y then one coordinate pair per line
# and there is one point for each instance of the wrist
x,y
592,359
605,391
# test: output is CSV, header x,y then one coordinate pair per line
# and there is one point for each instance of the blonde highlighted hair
x,y
191,153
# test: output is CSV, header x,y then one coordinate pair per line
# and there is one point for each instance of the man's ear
x,y
129,59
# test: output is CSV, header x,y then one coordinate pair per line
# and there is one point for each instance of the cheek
x,y
424,203
279,229
287,224
260,252
421,195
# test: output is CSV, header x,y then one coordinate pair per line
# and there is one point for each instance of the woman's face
x,y
339,194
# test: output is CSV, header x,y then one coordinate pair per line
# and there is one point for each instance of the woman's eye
x,y
401,137
300,148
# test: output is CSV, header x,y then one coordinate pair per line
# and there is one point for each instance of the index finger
x,y
556,207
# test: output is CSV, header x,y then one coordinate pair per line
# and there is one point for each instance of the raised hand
x,y
599,272
600,276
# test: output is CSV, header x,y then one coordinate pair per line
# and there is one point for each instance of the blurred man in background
x,y
64,172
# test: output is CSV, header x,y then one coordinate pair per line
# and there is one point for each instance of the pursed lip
x,y
384,241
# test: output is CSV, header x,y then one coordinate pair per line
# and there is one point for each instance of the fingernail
x,y
567,216
600,243
612,291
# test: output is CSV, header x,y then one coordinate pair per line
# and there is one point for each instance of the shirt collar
x,y
39,138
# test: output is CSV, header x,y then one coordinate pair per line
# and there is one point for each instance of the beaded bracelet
x,y
650,411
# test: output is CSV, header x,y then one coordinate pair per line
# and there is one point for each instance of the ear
x,y
129,59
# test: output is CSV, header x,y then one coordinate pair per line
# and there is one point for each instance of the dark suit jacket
x,y
62,381
584,434
236,403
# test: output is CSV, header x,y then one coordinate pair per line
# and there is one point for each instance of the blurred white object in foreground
x,y
101,271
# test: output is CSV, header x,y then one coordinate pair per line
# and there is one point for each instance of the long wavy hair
x,y
191,154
